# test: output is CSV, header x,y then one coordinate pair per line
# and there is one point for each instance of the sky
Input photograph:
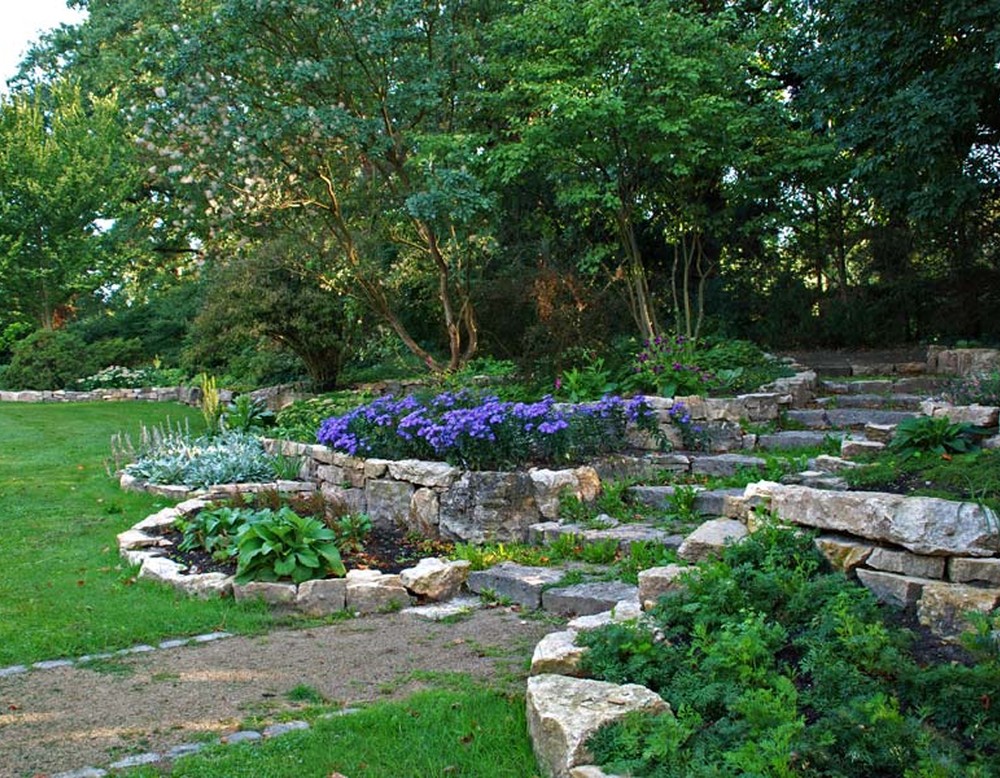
x,y
21,22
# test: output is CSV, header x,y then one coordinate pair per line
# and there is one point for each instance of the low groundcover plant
x,y
484,432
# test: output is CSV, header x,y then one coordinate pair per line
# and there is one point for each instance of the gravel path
x,y
67,718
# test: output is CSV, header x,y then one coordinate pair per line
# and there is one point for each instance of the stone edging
x,y
361,591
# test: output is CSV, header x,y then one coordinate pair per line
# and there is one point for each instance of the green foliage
x,y
175,457
589,382
214,530
301,419
281,544
64,165
47,359
932,435
762,641
978,388
245,415
118,377
351,531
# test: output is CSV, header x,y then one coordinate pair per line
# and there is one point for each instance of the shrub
x,y
979,388
763,642
281,544
47,359
484,433
119,377
174,457
300,420
936,435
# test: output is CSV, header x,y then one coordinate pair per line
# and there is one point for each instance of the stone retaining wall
x,y
188,395
938,556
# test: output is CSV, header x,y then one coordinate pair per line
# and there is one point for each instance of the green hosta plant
x,y
245,414
932,435
215,530
282,544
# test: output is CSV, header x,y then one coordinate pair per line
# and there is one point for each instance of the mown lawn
x,y
64,591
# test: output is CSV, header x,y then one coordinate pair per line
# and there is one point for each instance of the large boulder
x,y
488,506
564,712
923,525
435,579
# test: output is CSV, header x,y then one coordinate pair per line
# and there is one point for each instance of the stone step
x,y
518,583
789,439
920,384
896,402
725,464
708,502
846,418
624,534
586,599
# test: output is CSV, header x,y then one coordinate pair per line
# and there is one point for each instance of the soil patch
x,y
68,718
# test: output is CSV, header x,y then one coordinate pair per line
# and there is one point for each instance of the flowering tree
x,y
351,112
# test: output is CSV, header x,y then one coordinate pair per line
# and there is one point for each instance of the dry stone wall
x,y
940,557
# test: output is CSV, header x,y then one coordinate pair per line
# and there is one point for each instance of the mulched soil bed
x,y
386,549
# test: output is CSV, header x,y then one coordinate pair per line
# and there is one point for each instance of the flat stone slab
x,y
789,439
459,606
518,583
725,464
623,534
586,599
846,418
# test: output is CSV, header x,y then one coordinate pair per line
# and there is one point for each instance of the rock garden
x,y
726,560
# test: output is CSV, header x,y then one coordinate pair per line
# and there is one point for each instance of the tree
x,y
350,112
638,110
61,171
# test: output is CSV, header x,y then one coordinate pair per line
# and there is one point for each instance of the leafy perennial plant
x,y
484,432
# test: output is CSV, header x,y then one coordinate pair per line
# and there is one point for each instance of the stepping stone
x,y
460,606
725,464
518,583
587,598
624,534
899,402
276,730
708,502
846,417
789,439
135,761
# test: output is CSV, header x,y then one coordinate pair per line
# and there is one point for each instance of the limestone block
x,y
376,468
557,653
852,449
759,406
415,471
191,506
564,712
654,582
134,539
274,594
880,433
965,361
943,605
976,415
370,591
965,570
549,486
159,568
900,591
322,596
518,583
586,598
905,563
424,513
829,464
923,525
162,518
331,475
725,464
843,553
489,506
353,500
710,538
590,771
992,443
911,368
388,502
435,579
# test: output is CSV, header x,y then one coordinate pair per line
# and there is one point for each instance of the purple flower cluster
x,y
483,432
666,366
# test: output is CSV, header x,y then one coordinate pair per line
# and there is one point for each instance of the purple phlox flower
x,y
644,357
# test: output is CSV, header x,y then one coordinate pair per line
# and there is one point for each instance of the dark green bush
x,y
48,359
774,667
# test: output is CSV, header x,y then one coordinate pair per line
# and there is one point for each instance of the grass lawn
x,y
467,731
64,591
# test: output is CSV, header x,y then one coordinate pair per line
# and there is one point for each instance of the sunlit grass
x,y
64,591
